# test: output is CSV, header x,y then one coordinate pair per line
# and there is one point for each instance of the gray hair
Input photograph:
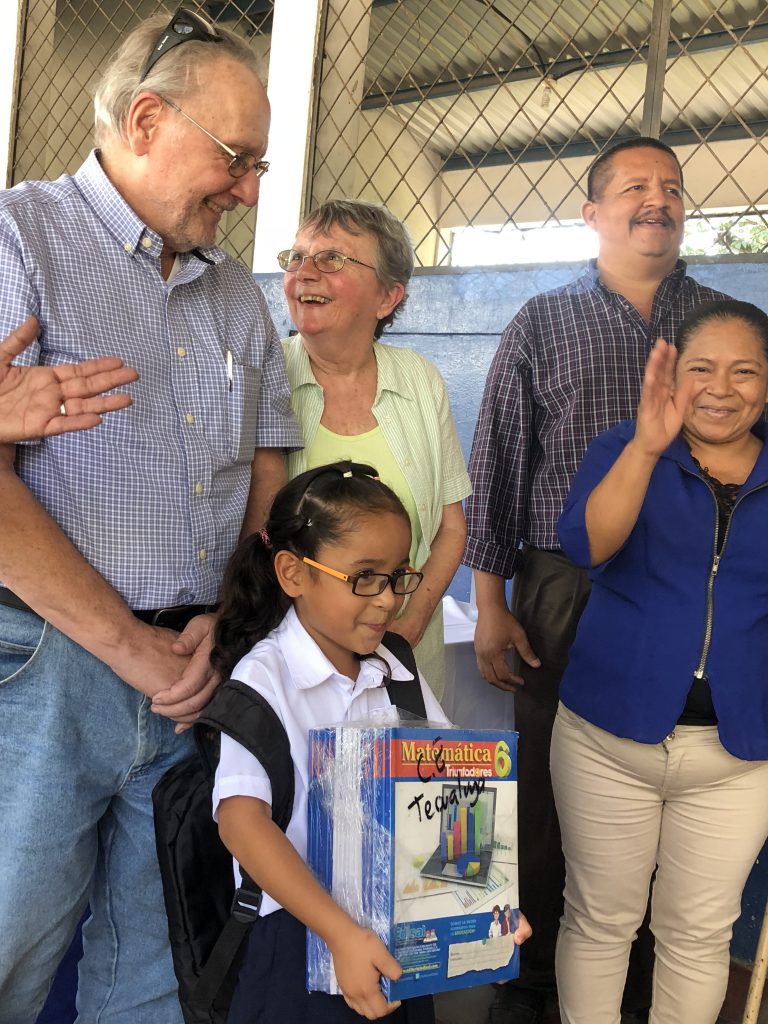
x,y
394,258
174,76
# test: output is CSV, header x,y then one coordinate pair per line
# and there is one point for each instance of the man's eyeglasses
x,y
327,262
240,163
367,583
184,27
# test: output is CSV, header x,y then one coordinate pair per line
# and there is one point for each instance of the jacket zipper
x,y
699,673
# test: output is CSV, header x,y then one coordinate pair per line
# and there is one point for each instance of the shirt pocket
x,y
243,411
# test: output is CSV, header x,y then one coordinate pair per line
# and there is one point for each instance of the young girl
x,y
305,606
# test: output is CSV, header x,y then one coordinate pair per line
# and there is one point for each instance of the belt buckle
x,y
160,613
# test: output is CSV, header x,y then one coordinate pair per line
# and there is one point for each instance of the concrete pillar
x,y
295,35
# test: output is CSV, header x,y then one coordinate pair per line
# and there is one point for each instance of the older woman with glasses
x,y
359,399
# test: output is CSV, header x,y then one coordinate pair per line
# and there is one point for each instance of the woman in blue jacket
x,y
660,748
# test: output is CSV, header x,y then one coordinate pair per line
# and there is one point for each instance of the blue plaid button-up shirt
x,y
154,497
569,366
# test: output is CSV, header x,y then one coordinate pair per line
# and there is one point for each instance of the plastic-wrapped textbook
x,y
414,832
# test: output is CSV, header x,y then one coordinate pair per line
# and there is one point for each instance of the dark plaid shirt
x,y
569,366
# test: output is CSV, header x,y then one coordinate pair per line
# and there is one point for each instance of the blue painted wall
x,y
455,317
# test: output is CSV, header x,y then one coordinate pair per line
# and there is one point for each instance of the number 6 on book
x,y
502,762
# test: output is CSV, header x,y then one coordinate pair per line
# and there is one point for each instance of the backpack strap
x,y
405,693
240,712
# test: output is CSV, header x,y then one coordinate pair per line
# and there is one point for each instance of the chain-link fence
x,y
468,114
65,44
475,113
715,113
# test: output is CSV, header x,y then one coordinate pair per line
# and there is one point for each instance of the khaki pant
x,y
685,805
548,598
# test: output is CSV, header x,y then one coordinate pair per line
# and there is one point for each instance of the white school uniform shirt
x,y
305,691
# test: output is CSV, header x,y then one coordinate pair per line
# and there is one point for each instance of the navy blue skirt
x,y
272,983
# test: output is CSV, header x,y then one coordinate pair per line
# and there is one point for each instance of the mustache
x,y
660,216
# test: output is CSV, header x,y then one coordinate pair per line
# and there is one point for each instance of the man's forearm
x,y
490,591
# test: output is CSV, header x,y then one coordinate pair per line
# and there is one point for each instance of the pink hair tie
x,y
265,538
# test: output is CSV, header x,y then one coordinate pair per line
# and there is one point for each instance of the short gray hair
x,y
174,76
394,260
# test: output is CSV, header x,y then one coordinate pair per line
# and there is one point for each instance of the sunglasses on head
x,y
184,27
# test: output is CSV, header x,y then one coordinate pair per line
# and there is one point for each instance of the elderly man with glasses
x,y
114,539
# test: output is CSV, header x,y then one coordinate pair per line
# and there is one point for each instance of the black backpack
x,y
208,919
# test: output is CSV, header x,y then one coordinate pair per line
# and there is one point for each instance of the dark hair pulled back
x,y
316,508
722,310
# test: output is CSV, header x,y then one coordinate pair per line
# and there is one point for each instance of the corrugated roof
x,y
478,77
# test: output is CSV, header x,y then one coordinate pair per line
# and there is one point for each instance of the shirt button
x,y
671,735
199,488
127,246
203,554
189,418
181,352
146,242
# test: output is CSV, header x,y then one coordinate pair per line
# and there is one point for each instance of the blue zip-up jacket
x,y
664,602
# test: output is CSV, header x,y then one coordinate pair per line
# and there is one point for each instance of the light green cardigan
x,y
412,410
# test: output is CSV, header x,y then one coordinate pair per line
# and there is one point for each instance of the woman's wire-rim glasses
x,y
370,584
328,261
240,163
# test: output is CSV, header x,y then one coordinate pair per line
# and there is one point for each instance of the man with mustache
x,y
570,365
113,539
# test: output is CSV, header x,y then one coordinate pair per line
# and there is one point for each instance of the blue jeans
x,y
80,752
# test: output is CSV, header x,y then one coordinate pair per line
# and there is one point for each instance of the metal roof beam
x,y
744,36
658,48
591,148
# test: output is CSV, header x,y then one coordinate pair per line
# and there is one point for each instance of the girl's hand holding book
x,y
359,959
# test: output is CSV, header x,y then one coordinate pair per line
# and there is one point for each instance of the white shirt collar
x,y
309,667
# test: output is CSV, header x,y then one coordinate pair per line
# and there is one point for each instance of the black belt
x,y
171,618
9,599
